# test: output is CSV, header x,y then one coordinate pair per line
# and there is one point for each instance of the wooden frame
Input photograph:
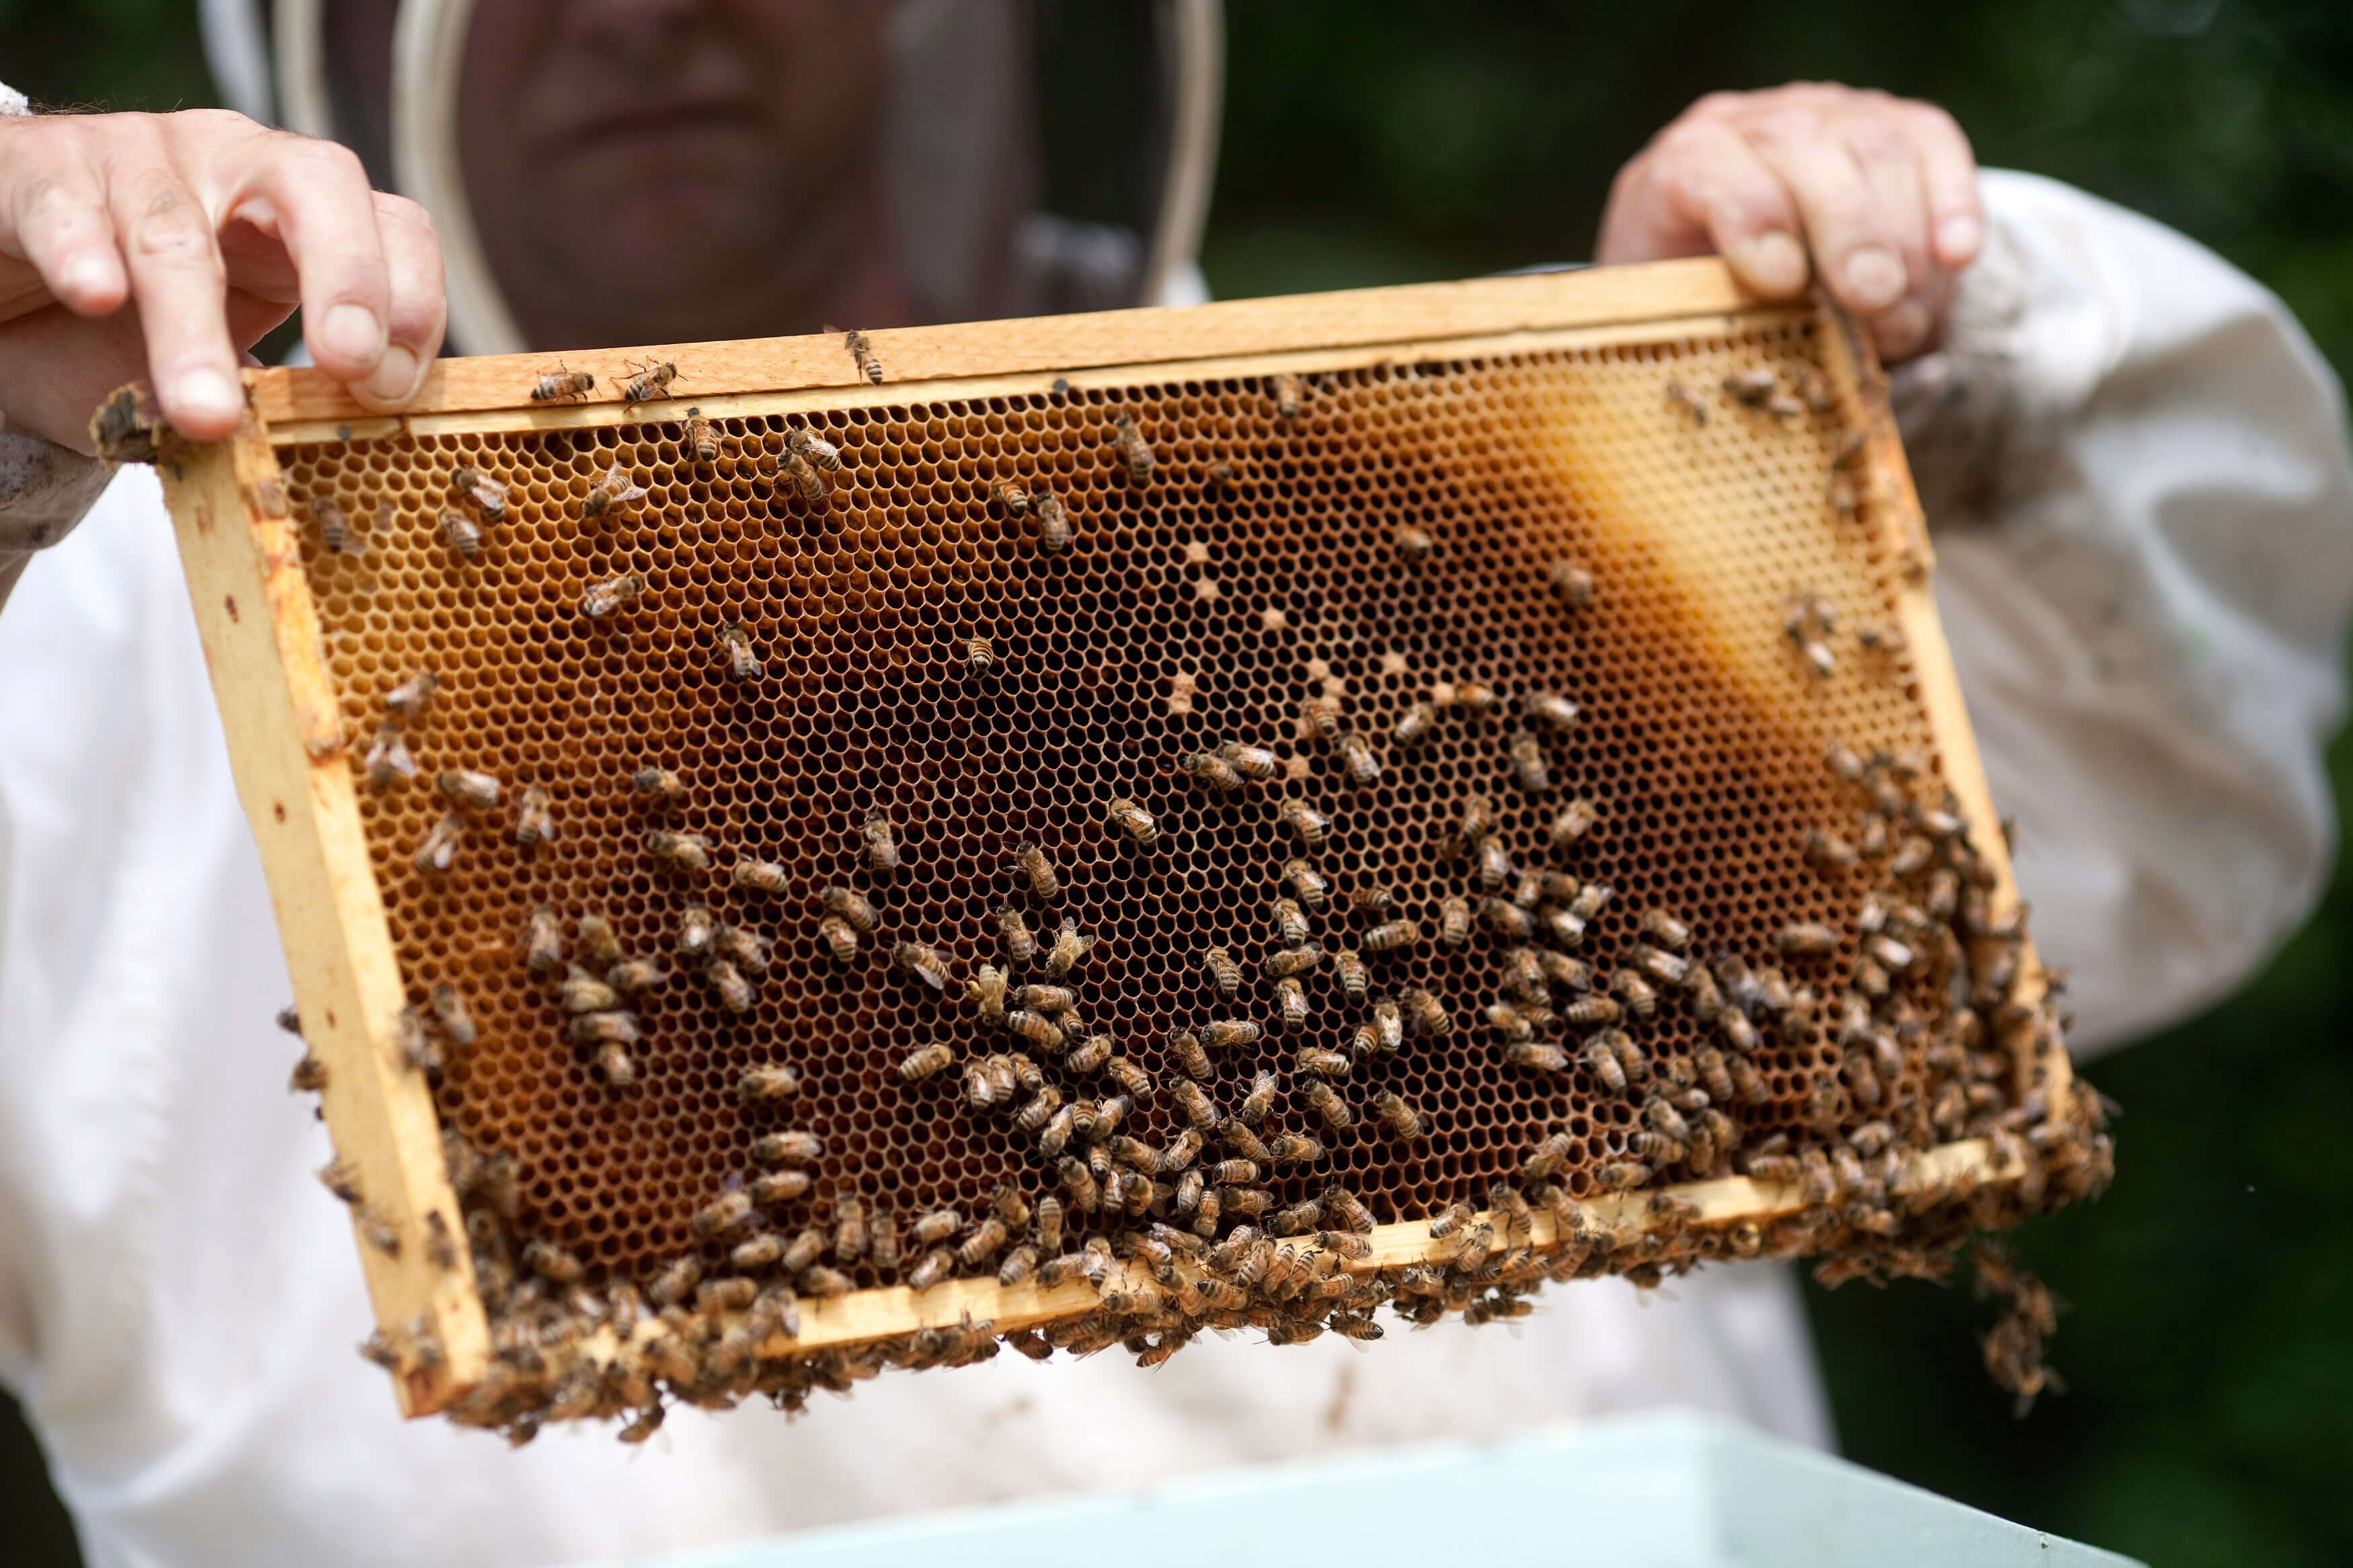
x,y
262,641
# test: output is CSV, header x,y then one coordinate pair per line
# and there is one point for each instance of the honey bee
x,y
1250,761
767,1083
1260,1100
1068,949
1391,935
1335,1111
1043,881
1315,1061
1690,402
1212,772
388,758
1356,760
1572,581
1415,725
734,992
729,1211
1134,821
534,821
461,533
1806,938
1134,449
1036,1029
1286,922
1310,825
615,593
1510,1022
1413,544
928,964
862,354
561,385
1234,1173
1426,1016
583,993
468,788
615,489
980,654
552,1263
1054,530
756,1252
1355,980
1506,919
1537,1053
1635,992
1454,921
1046,998
1009,494
689,850
1288,396
742,664
438,849
776,1187
787,1148
1529,766
309,1076
648,384
880,844
1229,1034
342,1178
1289,962
334,530
802,474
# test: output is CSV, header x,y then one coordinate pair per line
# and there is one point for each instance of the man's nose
x,y
630,24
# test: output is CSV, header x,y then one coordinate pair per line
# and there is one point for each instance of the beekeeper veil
x,y
1041,155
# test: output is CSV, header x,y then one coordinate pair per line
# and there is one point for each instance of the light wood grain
x,y
262,646
1616,296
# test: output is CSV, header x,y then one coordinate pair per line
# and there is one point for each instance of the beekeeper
x,y
2133,460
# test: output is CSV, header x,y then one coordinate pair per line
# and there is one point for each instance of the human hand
x,y
1878,194
212,228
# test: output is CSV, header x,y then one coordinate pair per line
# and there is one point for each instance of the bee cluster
x,y
1157,839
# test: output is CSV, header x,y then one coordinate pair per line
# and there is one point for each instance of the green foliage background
x,y
2209,1416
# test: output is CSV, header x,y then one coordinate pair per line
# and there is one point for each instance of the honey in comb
x,y
1254,574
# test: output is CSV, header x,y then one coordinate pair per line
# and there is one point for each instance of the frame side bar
x,y
264,651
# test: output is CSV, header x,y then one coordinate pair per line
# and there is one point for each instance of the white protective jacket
x,y
2137,470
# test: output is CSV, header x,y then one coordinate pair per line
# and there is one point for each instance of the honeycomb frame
x,y
295,711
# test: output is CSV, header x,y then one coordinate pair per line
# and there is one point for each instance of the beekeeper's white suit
x,y
2139,478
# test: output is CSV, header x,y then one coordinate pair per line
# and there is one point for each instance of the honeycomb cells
x,y
1396,541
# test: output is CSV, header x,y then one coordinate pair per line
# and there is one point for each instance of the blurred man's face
x,y
668,169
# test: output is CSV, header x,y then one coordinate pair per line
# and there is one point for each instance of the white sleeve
x,y
2134,465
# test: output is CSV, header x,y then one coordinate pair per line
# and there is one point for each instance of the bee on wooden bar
x,y
615,489
1132,821
1310,825
1134,451
438,849
388,758
1288,396
1034,865
1054,530
1415,725
309,1076
1572,582
561,385
469,788
615,593
1362,768
461,533
650,384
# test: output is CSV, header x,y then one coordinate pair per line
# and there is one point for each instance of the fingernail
x,y
86,275
395,375
208,394
1874,276
1957,240
1902,332
350,333
1771,263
